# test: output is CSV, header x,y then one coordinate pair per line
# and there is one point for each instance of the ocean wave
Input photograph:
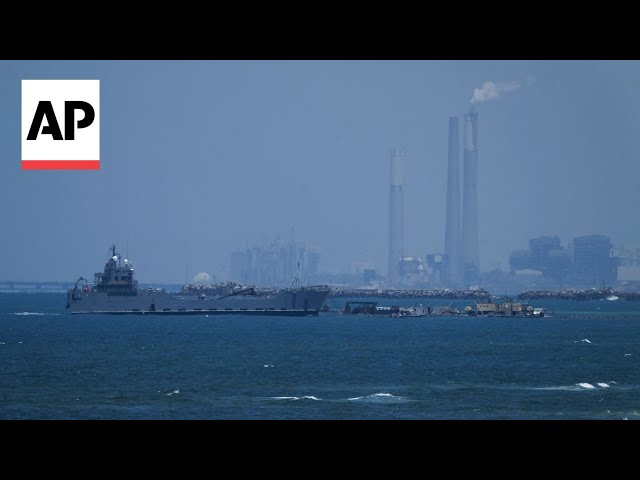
x,y
34,313
379,397
565,388
575,388
175,391
304,397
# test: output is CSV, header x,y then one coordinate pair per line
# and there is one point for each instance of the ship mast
x,y
114,256
296,279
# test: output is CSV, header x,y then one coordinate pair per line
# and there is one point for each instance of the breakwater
x,y
581,294
410,293
227,288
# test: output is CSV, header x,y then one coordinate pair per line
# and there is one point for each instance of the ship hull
x,y
263,313
295,302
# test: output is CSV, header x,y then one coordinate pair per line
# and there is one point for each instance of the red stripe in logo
x,y
61,165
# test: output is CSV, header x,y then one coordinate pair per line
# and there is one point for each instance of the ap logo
x,y
60,124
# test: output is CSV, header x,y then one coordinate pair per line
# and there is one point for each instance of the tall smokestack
x,y
396,216
452,230
470,257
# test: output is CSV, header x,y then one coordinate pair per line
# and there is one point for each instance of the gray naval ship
x,y
116,292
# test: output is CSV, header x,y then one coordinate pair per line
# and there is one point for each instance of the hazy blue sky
x,y
199,158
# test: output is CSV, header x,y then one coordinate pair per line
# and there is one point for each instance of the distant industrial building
x,y
412,271
396,216
451,268
240,265
462,260
436,270
469,242
589,262
370,276
593,263
628,260
546,255
276,264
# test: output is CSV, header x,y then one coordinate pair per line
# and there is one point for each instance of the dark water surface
x,y
58,366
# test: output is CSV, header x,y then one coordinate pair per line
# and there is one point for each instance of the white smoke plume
x,y
493,90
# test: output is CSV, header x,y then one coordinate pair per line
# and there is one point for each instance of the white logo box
x,y
46,153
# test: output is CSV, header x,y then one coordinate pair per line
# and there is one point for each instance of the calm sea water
x,y
58,366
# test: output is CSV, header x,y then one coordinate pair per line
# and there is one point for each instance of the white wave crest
x,y
381,396
586,340
603,385
175,391
566,388
585,385
34,313
573,388
305,397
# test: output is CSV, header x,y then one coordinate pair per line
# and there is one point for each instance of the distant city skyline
x,y
199,157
